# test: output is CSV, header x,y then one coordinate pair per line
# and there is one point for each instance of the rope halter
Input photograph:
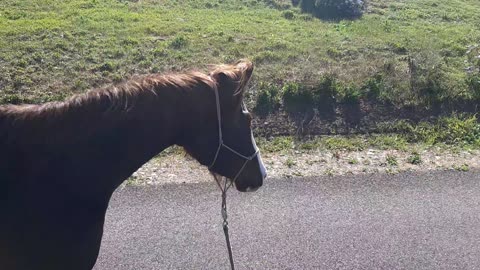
x,y
221,143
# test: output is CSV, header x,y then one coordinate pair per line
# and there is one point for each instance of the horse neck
x,y
131,137
158,120
108,139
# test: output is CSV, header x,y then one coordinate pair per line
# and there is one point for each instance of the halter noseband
x,y
222,144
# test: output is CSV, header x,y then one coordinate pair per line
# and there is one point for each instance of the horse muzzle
x,y
252,177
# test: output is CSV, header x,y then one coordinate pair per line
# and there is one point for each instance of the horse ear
x,y
222,78
233,78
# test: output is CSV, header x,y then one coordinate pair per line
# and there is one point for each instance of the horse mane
x,y
28,123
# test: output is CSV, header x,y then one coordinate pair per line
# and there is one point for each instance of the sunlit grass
x,y
52,48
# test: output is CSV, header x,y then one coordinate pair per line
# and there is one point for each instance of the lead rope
x,y
224,190
226,186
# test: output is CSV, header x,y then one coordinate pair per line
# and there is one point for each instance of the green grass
x,y
391,160
50,48
462,168
457,129
454,132
290,163
277,144
414,158
333,143
352,161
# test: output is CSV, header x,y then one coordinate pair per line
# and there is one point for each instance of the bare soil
x,y
180,168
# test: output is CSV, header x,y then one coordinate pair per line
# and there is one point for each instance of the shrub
x,y
428,78
324,96
325,91
179,42
332,9
374,87
107,66
351,95
473,70
277,4
308,6
297,98
288,14
473,82
268,99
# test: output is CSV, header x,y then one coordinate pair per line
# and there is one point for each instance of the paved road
x,y
408,221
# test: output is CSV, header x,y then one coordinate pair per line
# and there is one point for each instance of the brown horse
x,y
60,162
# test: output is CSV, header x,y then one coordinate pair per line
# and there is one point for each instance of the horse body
x,y
55,194
61,162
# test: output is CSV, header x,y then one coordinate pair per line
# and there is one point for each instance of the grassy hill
x,y
401,54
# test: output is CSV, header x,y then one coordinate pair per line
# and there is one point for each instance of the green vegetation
x,y
414,52
344,143
330,172
352,161
276,144
413,55
414,158
391,160
131,181
391,141
290,163
462,168
268,99
332,9
297,98
455,131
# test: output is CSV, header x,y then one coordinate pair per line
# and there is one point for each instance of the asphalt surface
x,y
407,221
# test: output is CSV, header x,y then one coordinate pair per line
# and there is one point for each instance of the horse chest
x,y
52,237
49,227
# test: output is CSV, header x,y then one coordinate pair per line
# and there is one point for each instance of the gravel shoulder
x,y
179,168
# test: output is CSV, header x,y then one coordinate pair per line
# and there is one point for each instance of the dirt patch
x,y
179,168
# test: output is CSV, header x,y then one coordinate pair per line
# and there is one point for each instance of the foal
x,y
60,162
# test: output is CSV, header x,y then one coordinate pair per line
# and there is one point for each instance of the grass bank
x,y
402,59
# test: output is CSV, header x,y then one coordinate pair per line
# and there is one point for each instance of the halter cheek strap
x,y
221,144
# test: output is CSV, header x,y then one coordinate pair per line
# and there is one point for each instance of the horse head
x,y
226,144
